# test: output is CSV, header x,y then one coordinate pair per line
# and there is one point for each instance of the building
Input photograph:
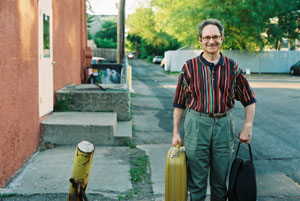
x,y
43,48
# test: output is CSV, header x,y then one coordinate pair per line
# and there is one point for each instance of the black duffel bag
x,y
242,181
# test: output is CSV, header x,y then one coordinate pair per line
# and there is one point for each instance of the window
x,y
46,35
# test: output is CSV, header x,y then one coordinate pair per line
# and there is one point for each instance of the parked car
x,y
130,55
157,59
295,69
98,60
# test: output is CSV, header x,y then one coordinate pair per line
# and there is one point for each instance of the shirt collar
x,y
207,63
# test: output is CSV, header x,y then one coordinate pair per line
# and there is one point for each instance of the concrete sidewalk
x,y
49,171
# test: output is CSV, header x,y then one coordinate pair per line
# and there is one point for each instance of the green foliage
x,y
248,24
132,95
284,22
144,38
107,36
133,127
89,20
128,196
90,37
105,42
129,143
139,172
61,105
149,58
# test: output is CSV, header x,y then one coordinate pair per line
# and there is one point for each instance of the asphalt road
x,y
275,143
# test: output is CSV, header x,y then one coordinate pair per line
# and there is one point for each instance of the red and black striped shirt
x,y
209,88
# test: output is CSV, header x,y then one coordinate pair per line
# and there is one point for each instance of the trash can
x,y
108,73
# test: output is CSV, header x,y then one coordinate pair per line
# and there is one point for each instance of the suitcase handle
x,y
175,152
250,152
177,147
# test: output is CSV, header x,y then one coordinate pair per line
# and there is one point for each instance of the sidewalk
x,y
49,171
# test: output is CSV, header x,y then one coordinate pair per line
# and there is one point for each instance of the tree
x,y
107,36
89,19
245,21
283,23
144,35
242,20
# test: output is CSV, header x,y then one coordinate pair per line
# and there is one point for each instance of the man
x,y
207,87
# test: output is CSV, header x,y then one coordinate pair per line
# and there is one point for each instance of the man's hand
x,y
246,134
176,140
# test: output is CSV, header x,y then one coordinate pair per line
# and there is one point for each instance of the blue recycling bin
x,y
108,73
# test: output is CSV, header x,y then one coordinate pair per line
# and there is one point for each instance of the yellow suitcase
x,y
176,175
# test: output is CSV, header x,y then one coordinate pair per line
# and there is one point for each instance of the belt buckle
x,y
217,116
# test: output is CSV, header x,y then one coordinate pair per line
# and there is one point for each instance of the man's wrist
x,y
248,124
176,134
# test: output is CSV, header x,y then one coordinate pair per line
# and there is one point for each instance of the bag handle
x,y
250,152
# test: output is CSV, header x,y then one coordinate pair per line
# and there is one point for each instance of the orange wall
x,y
19,116
19,112
68,41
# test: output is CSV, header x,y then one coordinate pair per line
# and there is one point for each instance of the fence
x,y
107,53
262,62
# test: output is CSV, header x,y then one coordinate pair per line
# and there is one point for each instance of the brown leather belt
x,y
215,116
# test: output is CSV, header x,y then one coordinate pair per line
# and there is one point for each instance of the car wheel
x,y
292,72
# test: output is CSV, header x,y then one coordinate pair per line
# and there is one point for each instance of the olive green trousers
x,y
208,143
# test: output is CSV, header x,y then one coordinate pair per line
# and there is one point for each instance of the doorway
x,y
45,57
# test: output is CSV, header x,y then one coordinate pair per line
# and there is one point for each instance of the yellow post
x,y
129,77
81,170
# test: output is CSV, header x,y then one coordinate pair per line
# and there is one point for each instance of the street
x,y
275,143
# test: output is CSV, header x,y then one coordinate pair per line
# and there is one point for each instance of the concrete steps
x,y
90,98
99,128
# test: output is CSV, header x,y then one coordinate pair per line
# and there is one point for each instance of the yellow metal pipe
x,y
81,169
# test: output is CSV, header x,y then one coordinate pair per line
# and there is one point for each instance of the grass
x,y
61,106
171,73
140,168
129,143
132,95
128,196
131,111
133,127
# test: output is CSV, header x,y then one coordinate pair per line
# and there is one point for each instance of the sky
x,y
109,7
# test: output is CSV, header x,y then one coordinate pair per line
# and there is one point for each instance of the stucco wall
x,y
19,107
19,115
67,42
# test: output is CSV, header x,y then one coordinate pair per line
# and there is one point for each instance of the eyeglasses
x,y
207,38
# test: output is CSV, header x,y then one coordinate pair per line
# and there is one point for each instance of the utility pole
x,y
121,32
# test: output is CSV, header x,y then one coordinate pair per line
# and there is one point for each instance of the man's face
x,y
211,39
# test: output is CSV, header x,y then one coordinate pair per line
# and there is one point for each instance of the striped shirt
x,y
209,88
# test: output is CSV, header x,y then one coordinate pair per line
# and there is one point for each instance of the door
x,y
45,58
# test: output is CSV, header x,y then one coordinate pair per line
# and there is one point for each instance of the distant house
x,y
43,47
